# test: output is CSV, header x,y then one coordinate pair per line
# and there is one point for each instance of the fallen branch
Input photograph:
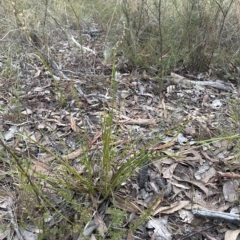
x,y
219,216
215,84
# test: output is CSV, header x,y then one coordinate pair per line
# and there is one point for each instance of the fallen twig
x,y
229,175
215,84
215,215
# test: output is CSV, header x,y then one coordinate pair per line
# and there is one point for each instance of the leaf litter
x,y
62,112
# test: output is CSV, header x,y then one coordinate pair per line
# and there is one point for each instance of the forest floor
x,y
191,130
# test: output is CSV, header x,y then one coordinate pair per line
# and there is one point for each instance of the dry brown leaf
x,y
166,145
37,74
172,208
93,237
5,233
168,172
149,101
138,121
6,202
205,99
156,203
102,228
154,236
164,109
212,185
160,228
188,151
130,235
206,155
97,135
167,160
125,204
180,185
58,123
73,124
230,191
27,112
199,184
69,156
210,173
174,75
231,234
40,167
131,121
200,202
